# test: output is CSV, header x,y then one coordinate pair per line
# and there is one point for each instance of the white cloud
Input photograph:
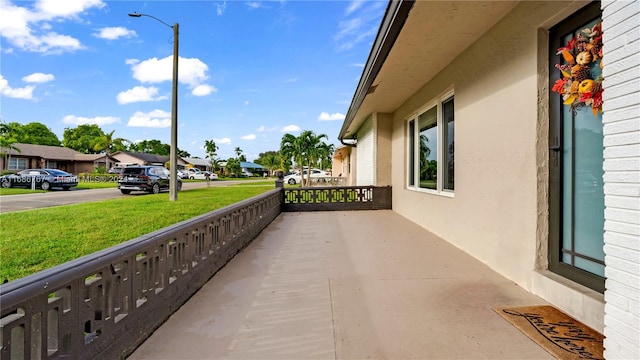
x,y
203,90
29,30
360,24
357,65
153,119
98,120
291,128
51,9
114,33
325,116
263,129
253,5
193,73
248,137
15,93
38,78
138,94
291,80
220,8
355,5
246,103
222,141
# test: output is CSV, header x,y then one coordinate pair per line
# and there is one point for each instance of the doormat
x,y
558,333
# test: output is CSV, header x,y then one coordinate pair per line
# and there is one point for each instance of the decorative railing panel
x,y
337,198
104,305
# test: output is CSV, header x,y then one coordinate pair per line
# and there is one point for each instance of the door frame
x,y
569,25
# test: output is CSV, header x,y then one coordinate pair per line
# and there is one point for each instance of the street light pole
x,y
173,152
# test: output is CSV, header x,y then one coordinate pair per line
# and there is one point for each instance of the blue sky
x,y
250,71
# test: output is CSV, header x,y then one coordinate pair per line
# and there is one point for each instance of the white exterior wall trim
x,y
367,152
621,105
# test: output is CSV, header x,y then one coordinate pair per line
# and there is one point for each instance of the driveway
x,y
9,203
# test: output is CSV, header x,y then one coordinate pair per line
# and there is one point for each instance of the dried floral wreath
x,y
581,82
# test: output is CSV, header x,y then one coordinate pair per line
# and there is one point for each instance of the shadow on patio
x,y
347,285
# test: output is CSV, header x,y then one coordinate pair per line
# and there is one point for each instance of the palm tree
x,y
271,162
290,148
211,148
326,155
6,145
106,143
313,145
304,149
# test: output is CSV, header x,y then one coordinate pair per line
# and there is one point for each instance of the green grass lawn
x,y
31,241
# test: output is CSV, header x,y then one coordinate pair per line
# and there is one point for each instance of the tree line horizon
x,y
307,149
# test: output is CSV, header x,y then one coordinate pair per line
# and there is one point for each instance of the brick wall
x,y
621,27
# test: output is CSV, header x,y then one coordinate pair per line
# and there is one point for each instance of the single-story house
x,y
253,168
45,156
246,166
543,184
125,158
202,164
341,164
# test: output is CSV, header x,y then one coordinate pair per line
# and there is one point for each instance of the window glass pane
x,y
17,163
588,195
448,137
412,153
428,143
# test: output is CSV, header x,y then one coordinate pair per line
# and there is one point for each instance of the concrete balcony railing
x,y
106,304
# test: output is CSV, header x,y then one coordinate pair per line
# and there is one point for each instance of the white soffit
x,y
435,33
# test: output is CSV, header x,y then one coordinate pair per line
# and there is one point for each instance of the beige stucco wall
x,y
499,209
384,164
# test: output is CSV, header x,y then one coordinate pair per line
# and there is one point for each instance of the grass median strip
x,y
31,241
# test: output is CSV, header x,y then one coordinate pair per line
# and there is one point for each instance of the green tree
x,y
326,156
105,144
39,134
305,149
150,147
215,165
233,167
314,149
291,149
211,149
6,145
239,155
12,130
83,138
271,160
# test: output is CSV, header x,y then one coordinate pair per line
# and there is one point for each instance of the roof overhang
x,y
416,41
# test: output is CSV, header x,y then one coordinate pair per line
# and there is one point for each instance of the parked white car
x,y
297,179
202,175
183,174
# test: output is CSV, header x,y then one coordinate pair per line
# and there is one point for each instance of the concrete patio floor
x,y
347,285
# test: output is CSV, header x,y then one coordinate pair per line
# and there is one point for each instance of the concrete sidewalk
x,y
347,285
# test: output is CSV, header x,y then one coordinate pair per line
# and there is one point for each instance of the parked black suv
x,y
151,179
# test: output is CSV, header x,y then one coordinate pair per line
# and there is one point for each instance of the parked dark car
x,y
152,179
44,179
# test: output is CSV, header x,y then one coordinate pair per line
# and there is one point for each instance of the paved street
x,y
20,202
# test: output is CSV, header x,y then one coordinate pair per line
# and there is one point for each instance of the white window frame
x,y
437,102
15,162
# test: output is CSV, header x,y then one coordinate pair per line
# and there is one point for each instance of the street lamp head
x,y
135,15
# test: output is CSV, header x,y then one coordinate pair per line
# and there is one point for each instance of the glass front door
x,y
576,194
